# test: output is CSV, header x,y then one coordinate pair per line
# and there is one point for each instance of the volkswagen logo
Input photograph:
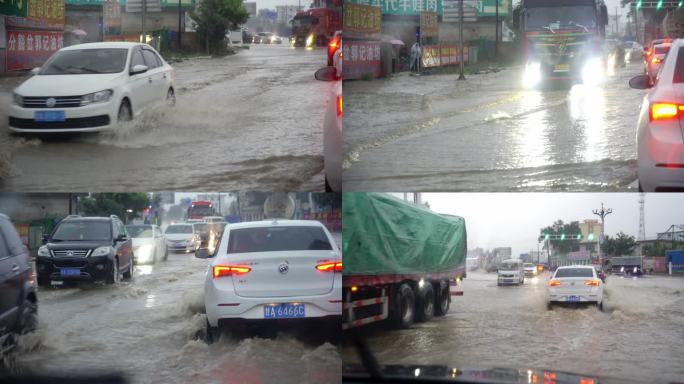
x,y
283,268
69,253
50,102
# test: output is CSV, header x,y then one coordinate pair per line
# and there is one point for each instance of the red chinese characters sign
x,y
361,58
442,55
42,14
29,49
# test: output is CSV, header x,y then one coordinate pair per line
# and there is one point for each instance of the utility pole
x,y
144,16
180,25
460,40
602,213
496,32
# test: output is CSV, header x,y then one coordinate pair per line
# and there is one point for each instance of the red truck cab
x,y
315,26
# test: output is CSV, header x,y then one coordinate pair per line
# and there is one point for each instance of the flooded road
x,y
638,336
251,121
149,329
424,133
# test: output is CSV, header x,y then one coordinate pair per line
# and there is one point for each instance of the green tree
x,y
105,204
620,245
558,228
214,18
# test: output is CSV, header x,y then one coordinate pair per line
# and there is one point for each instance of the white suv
x,y
268,270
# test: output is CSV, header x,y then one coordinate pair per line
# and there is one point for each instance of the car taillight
x,y
554,283
665,111
333,266
334,44
656,60
339,106
230,270
594,283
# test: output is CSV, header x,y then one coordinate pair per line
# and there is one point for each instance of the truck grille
x,y
71,253
60,102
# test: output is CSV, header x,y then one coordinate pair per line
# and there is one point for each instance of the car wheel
x,y
404,307
600,306
129,273
166,253
113,277
426,303
125,113
42,281
170,97
28,321
213,334
442,299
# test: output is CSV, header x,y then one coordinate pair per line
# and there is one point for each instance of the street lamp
x,y
602,213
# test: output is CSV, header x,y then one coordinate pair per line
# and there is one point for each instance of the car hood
x,y
67,85
179,236
455,374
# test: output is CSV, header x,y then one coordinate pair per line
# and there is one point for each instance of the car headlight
x,y
97,97
532,75
593,72
101,251
44,251
309,41
18,99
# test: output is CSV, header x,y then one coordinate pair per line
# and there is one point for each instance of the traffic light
x,y
660,4
546,236
579,237
591,237
638,4
562,236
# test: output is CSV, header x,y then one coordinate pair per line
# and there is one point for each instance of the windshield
x,y
574,272
271,239
509,266
179,229
661,49
560,17
140,230
200,211
86,61
302,21
86,230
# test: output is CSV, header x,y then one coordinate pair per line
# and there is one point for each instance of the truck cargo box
x,y
385,235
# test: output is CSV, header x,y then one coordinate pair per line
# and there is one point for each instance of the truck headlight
x,y
97,97
101,251
593,72
43,251
532,75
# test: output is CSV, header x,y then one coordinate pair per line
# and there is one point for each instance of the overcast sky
x,y
515,219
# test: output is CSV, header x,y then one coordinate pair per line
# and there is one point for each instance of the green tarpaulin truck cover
x,y
385,235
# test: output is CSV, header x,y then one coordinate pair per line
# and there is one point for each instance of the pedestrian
x,y
415,57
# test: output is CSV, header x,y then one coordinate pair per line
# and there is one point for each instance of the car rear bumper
x,y
222,305
91,268
583,297
90,118
656,177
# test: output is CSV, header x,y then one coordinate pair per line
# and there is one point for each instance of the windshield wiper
x,y
85,69
549,28
579,25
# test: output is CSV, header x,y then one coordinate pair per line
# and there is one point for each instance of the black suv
x,y
86,248
18,301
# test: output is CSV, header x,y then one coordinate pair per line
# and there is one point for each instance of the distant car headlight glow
x,y
532,75
97,97
145,253
101,251
310,41
593,72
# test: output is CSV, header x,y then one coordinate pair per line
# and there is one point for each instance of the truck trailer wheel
x,y
404,307
425,305
442,298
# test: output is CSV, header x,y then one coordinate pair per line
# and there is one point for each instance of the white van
x,y
511,272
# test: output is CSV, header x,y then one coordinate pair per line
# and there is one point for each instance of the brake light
x,y
339,106
665,111
334,43
656,60
594,283
230,270
554,283
333,266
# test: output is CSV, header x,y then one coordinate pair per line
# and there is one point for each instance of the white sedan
x,y
90,87
332,124
269,270
149,243
660,134
575,284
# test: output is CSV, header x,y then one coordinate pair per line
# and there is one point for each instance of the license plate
x,y
49,116
572,298
561,68
56,282
283,311
70,272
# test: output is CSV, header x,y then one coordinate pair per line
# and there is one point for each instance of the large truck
x,y
200,208
402,262
315,26
627,265
562,40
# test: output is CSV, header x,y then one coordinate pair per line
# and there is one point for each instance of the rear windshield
x,y
528,265
509,266
575,272
89,230
200,227
179,229
661,49
271,239
140,230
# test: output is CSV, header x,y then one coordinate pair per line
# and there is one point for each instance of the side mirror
x,y
35,71
326,74
138,69
640,82
46,237
202,253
